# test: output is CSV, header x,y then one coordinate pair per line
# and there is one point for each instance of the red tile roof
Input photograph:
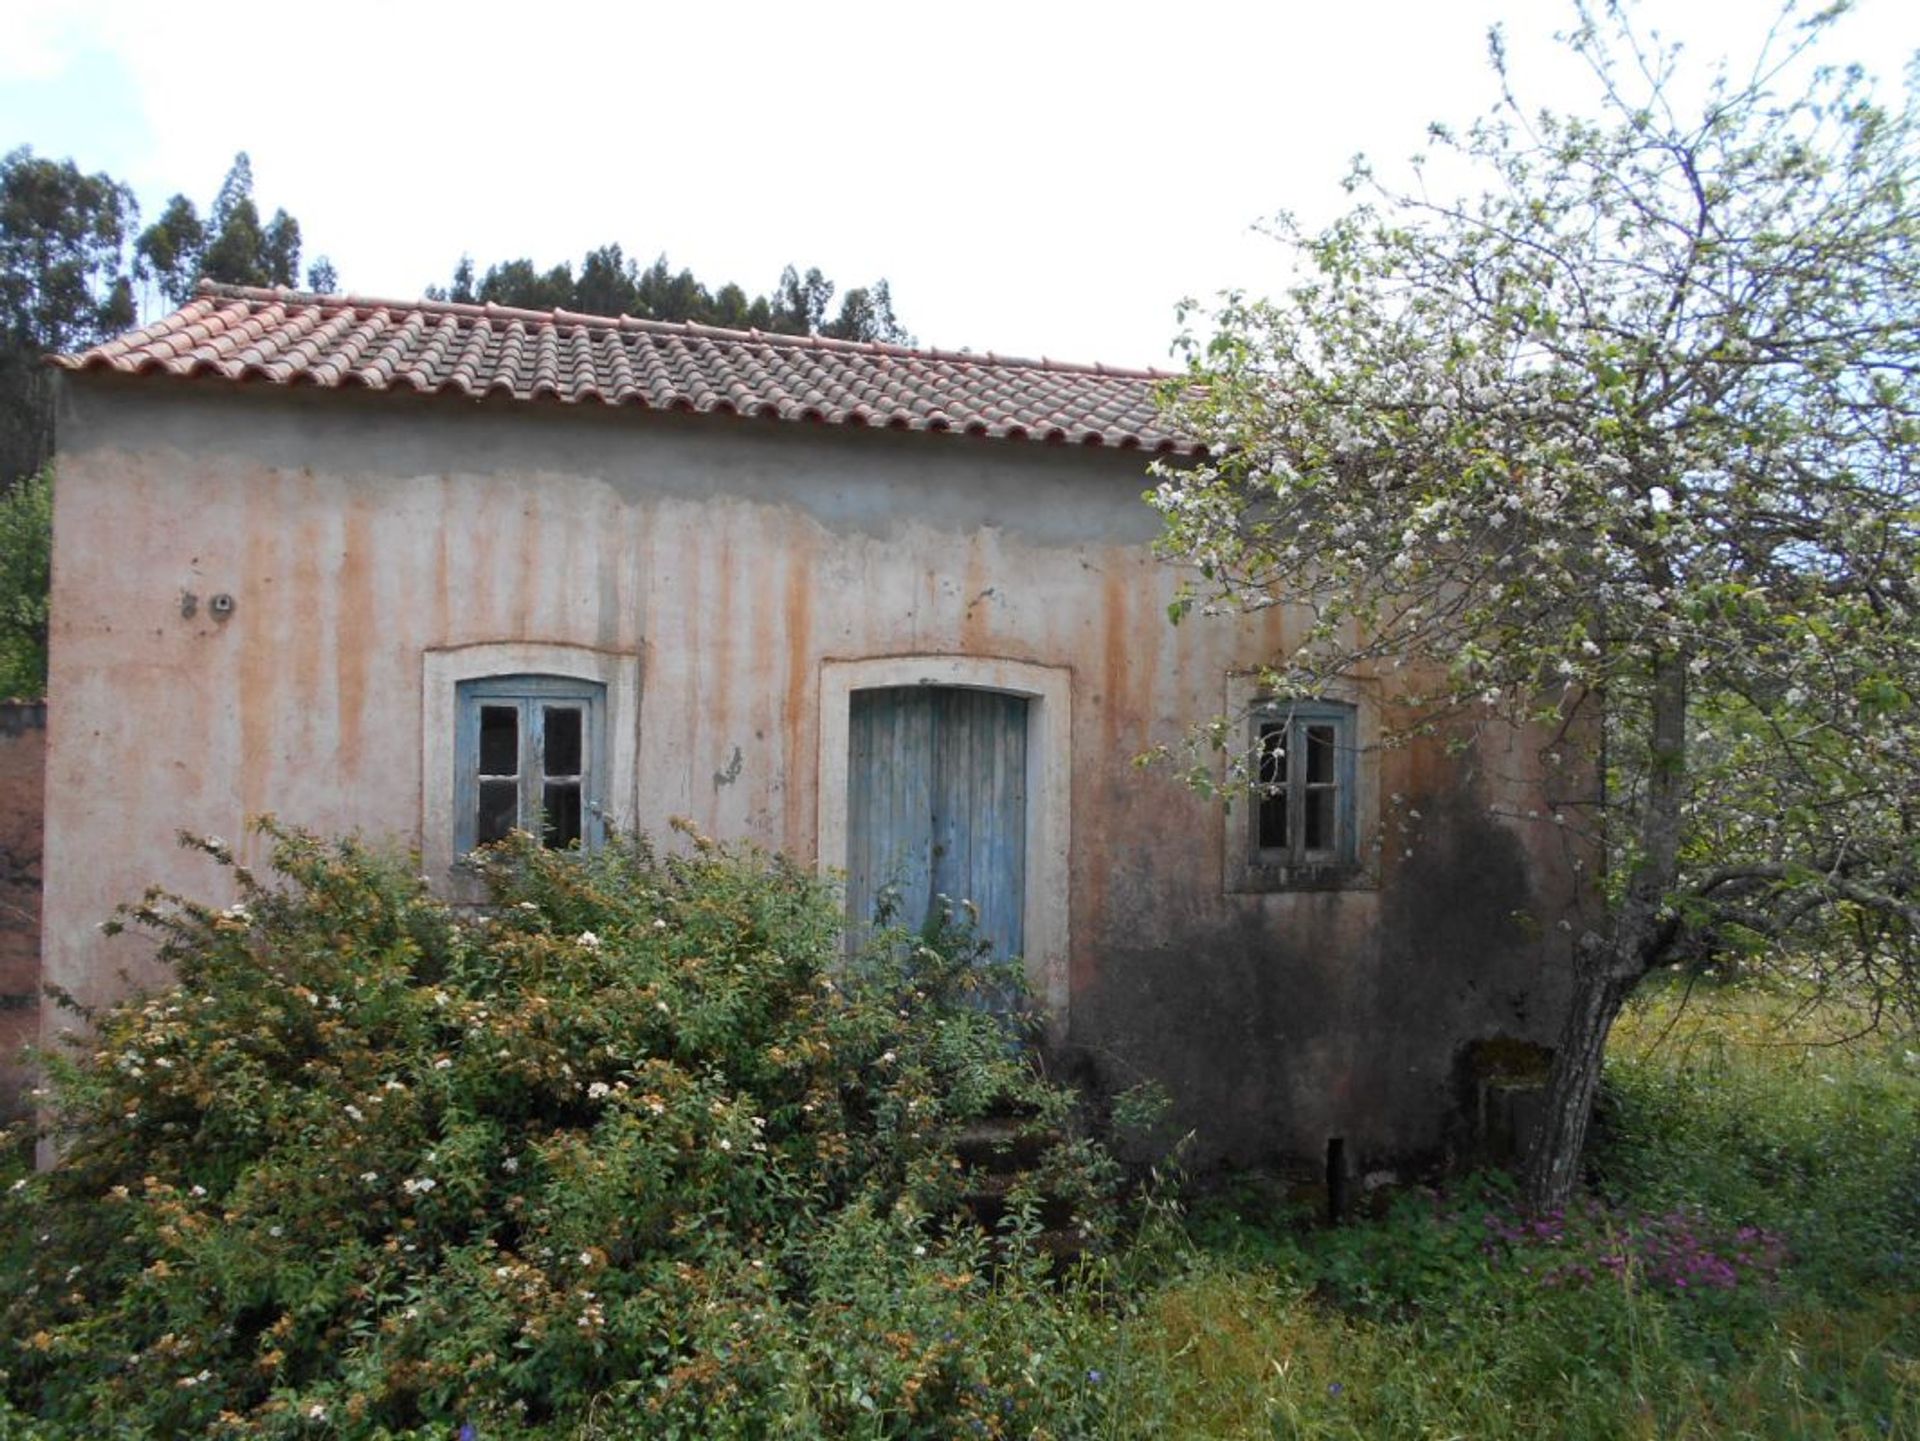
x,y
284,337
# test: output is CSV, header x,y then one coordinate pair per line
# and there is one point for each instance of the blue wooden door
x,y
937,807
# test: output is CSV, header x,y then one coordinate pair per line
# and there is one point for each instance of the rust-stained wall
x,y
22,770
735,557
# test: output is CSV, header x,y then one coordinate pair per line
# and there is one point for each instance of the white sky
x,y
1033,178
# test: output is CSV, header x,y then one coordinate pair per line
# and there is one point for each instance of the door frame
x,y
1048,690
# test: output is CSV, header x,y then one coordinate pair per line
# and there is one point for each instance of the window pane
x,y
1320,755
1319,821
1272,822
561,806
499,809
499,740
562,740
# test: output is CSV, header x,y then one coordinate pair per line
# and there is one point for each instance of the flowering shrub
x,y
638,1148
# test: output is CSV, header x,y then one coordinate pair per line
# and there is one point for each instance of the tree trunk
x,y
1601,984
1606,970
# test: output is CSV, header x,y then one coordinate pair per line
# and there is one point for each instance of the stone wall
x,y
23,749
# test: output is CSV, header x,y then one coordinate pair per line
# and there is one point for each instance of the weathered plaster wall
x,y
22,772
735,558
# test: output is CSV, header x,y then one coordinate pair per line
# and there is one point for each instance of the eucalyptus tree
x,y
26,551
65,282
232,244
610,282
1629,430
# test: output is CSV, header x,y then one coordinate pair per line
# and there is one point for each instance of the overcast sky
x,y
1033,178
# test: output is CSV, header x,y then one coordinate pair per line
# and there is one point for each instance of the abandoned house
x,y
428,571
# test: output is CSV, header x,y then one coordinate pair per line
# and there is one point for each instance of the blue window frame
x,y
530,754
1301,821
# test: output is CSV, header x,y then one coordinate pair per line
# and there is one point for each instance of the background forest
x,y
76,267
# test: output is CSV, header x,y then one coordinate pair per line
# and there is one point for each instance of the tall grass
x,y
1747,1268
1777,1114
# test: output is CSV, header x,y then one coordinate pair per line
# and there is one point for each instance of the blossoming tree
x,y
1630,432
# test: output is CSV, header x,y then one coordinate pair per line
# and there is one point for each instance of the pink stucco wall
x,y
732,561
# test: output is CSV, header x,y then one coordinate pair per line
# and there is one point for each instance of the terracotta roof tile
x,y
284,337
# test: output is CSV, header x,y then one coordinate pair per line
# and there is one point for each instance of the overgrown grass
x,y
638,1154
1739,1100
1747,1268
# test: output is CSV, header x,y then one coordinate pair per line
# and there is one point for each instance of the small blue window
x,y
1302,816
531,755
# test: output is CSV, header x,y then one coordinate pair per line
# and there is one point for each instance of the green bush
x,y
638,1150
26,548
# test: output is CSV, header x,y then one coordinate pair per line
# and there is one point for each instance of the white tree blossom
x,y
1632,428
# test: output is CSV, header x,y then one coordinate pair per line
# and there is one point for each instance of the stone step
x,y
1000,1144
989,1197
